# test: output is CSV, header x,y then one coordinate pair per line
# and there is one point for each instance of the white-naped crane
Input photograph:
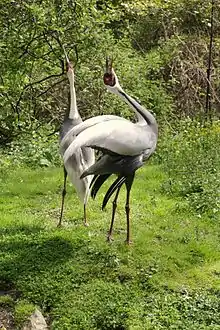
x,y
82,158
125,146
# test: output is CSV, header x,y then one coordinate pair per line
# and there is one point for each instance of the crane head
x,y
109,75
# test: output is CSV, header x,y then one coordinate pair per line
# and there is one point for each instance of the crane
x,y
82,158
125,146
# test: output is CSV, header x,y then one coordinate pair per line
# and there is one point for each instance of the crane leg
x,y
85,216
128,183
63,196
114,206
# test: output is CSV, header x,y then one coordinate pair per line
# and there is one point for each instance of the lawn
x,y
169,278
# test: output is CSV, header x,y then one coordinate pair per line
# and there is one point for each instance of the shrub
x,y
6,301
34,149
22,311
190,156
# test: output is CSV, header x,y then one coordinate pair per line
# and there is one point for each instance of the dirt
x,y
6,319
6,312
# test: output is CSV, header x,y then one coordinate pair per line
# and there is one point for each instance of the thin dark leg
x,y
85,216
63,196
128,183
114,206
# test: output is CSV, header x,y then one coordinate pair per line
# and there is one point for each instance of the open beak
x,y
109,76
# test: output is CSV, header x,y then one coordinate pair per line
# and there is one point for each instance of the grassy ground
x,y
169,278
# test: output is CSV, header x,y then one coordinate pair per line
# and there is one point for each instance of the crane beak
x,y
69,65
108,65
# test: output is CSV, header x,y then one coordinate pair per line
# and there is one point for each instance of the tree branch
x,y
44,92
34,83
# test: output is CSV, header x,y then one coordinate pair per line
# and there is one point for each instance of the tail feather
x,y
115,185
98,183
95,177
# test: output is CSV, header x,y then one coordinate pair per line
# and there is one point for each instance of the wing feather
x,y
119,136
76,130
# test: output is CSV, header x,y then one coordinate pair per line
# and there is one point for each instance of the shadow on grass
x,y
26,251
43,266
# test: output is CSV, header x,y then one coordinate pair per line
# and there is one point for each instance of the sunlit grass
x,y
68,271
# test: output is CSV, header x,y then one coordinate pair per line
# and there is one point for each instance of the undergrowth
x,y
190,155
38,147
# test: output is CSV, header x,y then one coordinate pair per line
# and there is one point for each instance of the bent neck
x,y
143,115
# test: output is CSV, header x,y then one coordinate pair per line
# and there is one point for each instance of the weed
x,y
191,159
22,311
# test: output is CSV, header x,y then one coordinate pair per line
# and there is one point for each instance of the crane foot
x,y
59,225
110,238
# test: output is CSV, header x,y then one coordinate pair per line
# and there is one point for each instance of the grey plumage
x,y
68,124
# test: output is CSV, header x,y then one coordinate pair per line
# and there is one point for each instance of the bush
x,y
23,310
190,156
34,149
6,301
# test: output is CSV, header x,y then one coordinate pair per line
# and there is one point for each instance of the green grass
x,y
169,278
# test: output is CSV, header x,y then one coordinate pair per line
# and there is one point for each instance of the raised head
x,y
110,79
69,66
69,71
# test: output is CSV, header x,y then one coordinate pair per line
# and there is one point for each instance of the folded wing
x,y
118,136
76,130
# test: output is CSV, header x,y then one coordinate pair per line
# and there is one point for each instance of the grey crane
x,y
125,146
82,158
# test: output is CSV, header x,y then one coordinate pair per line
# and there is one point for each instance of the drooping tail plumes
x,y
115,185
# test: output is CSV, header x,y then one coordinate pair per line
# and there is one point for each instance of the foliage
x,y
191,158
32,82
31,57
23,310
6,301
36,148
178,34
164,19
32,74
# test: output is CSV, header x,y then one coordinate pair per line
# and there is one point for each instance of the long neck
x,y
73,111
143,115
